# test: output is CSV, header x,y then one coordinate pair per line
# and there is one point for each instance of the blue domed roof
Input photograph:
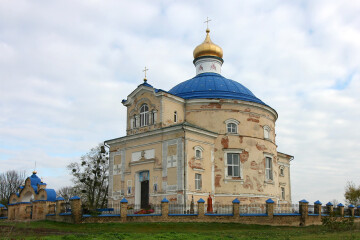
x,y
35,180
213,85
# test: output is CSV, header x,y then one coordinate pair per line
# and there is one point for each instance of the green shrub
x,y
335,223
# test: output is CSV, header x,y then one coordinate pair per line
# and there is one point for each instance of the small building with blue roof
x,y
34,190
208,134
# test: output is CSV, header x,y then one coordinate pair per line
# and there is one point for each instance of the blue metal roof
x,y
35,180
51,194
213,85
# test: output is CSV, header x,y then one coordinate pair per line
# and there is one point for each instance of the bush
x,y
335,223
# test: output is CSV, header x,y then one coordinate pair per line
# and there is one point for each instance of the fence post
x,y
341,209
304,210
352,210
76,210
201,210
330,208
123,209
236,207
60,205
270,208
165,208
317,207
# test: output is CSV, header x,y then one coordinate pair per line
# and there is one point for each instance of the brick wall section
x,y
76,210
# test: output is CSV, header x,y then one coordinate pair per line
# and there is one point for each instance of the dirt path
x,y
13,231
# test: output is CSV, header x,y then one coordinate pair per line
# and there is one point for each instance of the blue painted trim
x,y
313,214
164,200
60,199
358,206
218,214
325,215
176,214
50,215
1,205
351,206
105,209
3,217
253,215
201,200
143,215
287,214
108,215
236,201
317,202
65,214
269,201
304,201
12,204
340,205
124,200
329,204
86,215
75,198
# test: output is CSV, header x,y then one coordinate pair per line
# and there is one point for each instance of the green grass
x,y
54,230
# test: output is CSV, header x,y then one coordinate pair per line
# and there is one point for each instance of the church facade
x,y
207,135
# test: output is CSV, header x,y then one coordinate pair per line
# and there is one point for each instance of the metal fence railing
x,y
252,209
219,209
151,209
311,209
286,208
182,209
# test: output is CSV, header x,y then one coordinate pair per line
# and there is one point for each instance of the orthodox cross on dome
x,y
145,70
207,22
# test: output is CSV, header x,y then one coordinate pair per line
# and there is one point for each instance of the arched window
x,y
266,132
232,126
144,115
198,152
175,117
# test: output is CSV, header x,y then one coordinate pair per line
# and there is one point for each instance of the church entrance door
x,y
144,189
145,194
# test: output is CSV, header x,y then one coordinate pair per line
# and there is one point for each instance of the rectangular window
x,y
282,193
268,168
233,165
198,182
129,185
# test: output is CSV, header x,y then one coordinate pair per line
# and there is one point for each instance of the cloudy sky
x,y
65,66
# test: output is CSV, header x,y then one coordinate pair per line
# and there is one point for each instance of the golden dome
x,y
208,48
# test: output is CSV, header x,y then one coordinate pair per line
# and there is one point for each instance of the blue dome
x,y
213,85
35,180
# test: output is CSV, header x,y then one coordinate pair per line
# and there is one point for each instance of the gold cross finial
x,y
145,70
207,22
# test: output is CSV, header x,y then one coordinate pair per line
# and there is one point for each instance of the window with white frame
x,y
268,168
175,117
153,117
232,126
282,193
198,152
266,132
198,181
233,165
144,115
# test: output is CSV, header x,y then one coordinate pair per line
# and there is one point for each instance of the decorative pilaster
x,y
236,207
123,209
270,208
304,209
76,210
165,208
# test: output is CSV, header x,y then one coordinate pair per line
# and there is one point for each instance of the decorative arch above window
x,y
232,126
198,152
267,130
144,115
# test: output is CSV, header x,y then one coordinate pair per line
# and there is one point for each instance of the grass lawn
x,y
54,230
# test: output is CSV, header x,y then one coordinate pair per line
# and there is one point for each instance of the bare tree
x,y
91,177
68,192
10,182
